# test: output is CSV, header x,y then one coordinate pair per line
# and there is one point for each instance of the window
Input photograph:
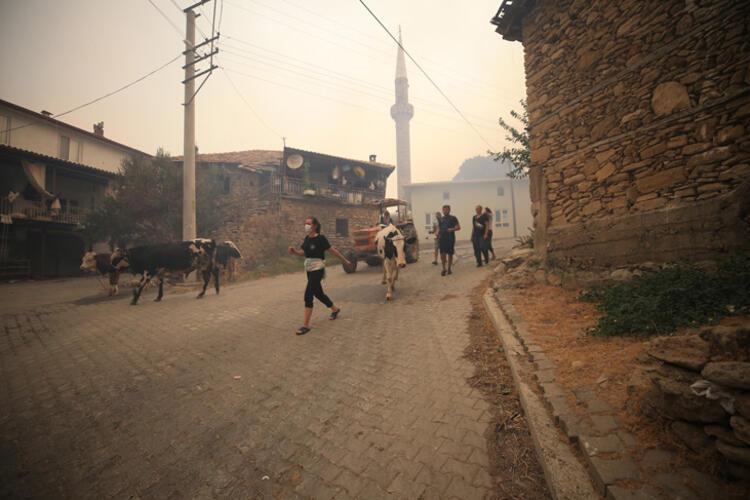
x,y
428,221
64,147
500,191
446,195
342,227
501,218
4,129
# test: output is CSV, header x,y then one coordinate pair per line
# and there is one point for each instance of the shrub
x,y
678,295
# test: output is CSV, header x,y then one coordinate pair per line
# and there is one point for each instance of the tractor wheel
x,y
374,261
351,257
412,252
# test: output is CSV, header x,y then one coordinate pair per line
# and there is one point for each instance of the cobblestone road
x,y
219,398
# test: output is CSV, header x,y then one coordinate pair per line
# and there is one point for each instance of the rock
x,y
741,428
668,97
686,351
739,454
692,435
721,432
512,262
738,471
734,374
576,365
742,405
728,343
621,275
674,398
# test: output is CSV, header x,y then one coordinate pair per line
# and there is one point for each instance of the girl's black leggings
x,y
315,289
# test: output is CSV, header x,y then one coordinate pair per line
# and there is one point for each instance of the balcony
x,y
287,186
38,211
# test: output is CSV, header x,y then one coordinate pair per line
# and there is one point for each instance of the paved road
x,y
218,397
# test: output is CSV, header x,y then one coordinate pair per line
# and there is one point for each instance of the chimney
x,y
46,113
99,129
373,157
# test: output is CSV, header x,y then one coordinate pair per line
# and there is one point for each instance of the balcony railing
x,y
33,210
295,187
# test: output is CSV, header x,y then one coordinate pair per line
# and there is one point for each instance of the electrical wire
x,y
437,87
109,94
252,110
166,18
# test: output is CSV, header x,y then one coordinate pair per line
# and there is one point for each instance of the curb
x,y
566,477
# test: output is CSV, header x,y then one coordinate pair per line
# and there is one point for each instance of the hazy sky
x,y
319,72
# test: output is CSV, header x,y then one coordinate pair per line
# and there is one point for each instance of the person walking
x,y
479,230
435,231
313,248
488,211
447,238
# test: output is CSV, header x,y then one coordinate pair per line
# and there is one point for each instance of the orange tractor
x,y
365,247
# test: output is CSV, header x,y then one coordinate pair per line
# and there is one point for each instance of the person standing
x,y
435,231
313,248
479,230
447,238
488,212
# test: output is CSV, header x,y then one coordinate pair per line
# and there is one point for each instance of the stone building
x,y
639,127
268,195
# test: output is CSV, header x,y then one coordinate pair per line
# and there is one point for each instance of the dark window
x,y
342,227
227,185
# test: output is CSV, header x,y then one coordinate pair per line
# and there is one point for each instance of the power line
x,y
426,75
252,110
109,94
166,18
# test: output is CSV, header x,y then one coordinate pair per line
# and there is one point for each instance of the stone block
x,y
677,142
669,97
607,472
603,424
723,433
712,186
574,179
654,150
596,445
686,351
710,156
540,155
604,172
734,374
660,180
692,435
739,454
729,134
603,156
657,459
741,427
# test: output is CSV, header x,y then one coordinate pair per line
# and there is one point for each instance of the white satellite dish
x,y
294,161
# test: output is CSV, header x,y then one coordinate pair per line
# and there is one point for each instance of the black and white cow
x,y
101,263
155,261
390,243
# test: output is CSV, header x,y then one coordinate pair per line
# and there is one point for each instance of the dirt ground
x,y
513,463
617,367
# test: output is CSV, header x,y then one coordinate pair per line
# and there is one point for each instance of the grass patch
x,y
678,295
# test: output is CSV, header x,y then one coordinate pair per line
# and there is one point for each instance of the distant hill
x,y
482,167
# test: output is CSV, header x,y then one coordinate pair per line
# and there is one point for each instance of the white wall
x,y
463,196
44,137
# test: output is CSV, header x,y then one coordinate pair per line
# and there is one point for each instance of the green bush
x,y
676,296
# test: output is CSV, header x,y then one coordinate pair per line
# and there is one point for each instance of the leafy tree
x,y
519,155
146,204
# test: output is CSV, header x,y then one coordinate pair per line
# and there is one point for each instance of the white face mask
x,y
308,227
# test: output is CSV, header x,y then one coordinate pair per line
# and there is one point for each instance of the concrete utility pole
x,y
188,157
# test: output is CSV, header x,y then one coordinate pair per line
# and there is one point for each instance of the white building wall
x,y
463,196
23,131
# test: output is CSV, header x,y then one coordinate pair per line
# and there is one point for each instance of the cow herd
x,y
207,257
154,262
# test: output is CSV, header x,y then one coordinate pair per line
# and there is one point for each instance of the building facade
x,y
508,198
51,176
639,135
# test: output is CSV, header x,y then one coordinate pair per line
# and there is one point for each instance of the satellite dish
x,y
294,161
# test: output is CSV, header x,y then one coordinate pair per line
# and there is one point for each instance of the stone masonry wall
x,y
640,116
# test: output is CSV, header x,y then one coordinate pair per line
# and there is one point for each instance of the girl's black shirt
x,y
315,247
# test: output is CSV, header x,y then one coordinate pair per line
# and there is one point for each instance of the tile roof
x,y
252,158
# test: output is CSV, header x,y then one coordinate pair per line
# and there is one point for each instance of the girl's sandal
x,y
334,315
302,330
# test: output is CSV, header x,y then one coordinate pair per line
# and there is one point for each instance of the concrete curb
x,y
566,477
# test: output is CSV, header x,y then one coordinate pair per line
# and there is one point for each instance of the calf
x,y
155,261
101,263
390,242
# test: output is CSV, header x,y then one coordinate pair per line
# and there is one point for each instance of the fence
x,y
36,210
294,187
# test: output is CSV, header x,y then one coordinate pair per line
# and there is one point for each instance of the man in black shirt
x,y
480,228
447,238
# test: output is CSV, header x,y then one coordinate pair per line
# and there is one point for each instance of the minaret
x,y
402,112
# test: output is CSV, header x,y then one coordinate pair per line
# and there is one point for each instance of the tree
x,y
518,155
146,204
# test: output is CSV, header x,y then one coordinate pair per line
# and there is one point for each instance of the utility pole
x,y
188,158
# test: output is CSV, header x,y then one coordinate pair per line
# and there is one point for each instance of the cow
x,y
155,261
390,242
101,263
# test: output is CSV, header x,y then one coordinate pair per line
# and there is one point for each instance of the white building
x,y
509,200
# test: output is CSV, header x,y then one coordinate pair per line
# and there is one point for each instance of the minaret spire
x,y
402,112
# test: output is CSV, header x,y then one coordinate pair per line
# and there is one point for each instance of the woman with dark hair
x,y
313,249
488,211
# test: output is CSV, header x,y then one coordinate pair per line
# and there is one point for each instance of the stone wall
x,y
640,128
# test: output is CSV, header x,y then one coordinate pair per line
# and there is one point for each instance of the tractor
x,y
365,247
